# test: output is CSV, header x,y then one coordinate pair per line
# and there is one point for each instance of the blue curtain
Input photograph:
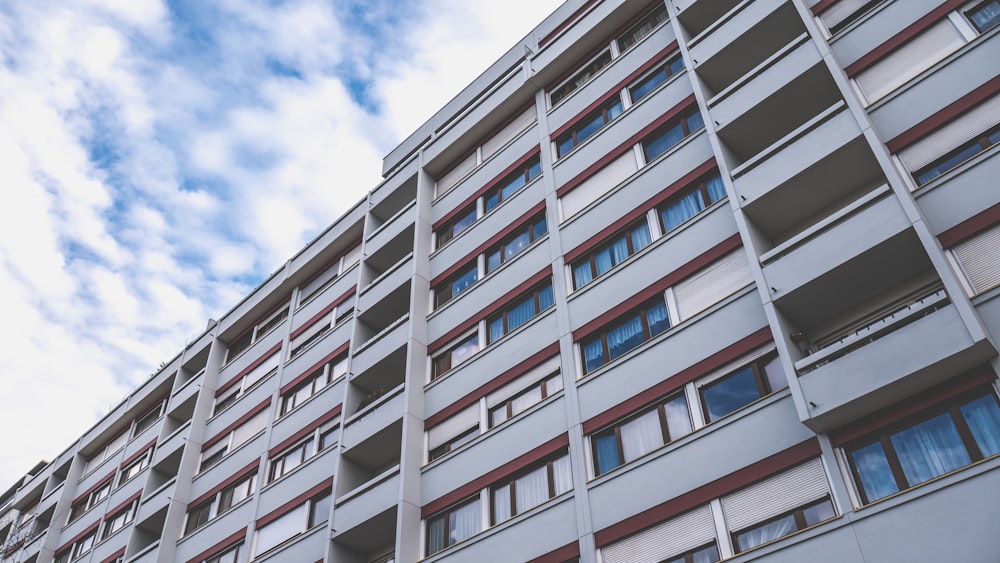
x,y
593,354
716,189
873,468
930,449
625,336
640,237
657,318
582,273
649,85
668,139
545,299
604,260
521,313
695,121
607,453
619,251
681,210
496,329
983,417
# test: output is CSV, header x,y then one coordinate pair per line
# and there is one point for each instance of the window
x,y
667,137
313,333
134,468
455,442
80,507
643,28
294,456
522,311
327,277
455,355
215,452
648,83
256,332
589,125
453,525
148,419
984,16
530,489
120,519
625,334
313,384
512,183
580,78
302,518
230,395
640,434
720,397
781,526
625,244
934,445
514,244
231,555
220,502
109,449
452,229
79,548
691,202
524,400
457,284
706,554
958,156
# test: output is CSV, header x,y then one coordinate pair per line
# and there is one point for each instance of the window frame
x,y
523,172
654,18
798,515
148,418
683,121
289,400
761,381
438,370
614,429
449,228
604,113
966,11
581,76
138,466
310,446
591,255
462,438
667,67
442,297
511,483
220,503
126,516
530,227
535,295
258,330
983,142
602,333
701,186
508,404
443,515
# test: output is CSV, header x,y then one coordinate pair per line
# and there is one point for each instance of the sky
x,y
160,158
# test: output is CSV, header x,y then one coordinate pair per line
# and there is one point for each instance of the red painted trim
x,y
971,226
497,305
225,431
625,147
706,258
114,556
219,547
903,37
236,378
464,261
822,5
473,397
342,349
720,487
88,530
679,380
104,480
330,415
108,514
471,199
596,240
654,61
566,23
248,469
296,502
138,454
326,311
560,555
928,399
505,470
947,114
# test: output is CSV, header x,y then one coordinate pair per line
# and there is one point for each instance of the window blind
x,y
507,134
776,495
453,426
979,258
712,284
919,54
263,369
461,170
598,184
250,428
840,11
677,535
944,140
522,383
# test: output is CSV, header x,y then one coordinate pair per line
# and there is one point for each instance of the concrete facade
x,y
681,281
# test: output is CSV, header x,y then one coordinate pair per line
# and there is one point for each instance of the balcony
x,y
307,546
697,15
377,411
392,227
376,346
366,502
389,293
156,500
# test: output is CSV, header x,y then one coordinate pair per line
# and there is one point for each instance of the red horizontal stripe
x,y
139,453
566,23
473,320
560,555
679,380
971,226
236,378
470,399
330,415
624,147
947,114
593,242
724,485
294,503
509,468
342,349
247,470
225,431
219,547
464,261
822,5
903,37
104,480
113,556
471,199
326,311
711,255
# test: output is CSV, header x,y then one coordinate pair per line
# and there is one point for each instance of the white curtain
x,y
532,489
768,532
464,522
983,417
930,449
562,475
678,417
501,504
641,435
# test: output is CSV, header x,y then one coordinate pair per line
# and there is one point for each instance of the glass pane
x,y
695,122
661,144
775,374
676,65
649,84
465,350
708,554
435,535
593,355
678,418
625,336
553,385
589,128
606,449
463,522
517,245
496,329
535,170
619,251
562,475
986,16
716,189
763,534
531,489
582,274
731,393
603,260
545,298
641,435
464,281
681,210
930,449
539,229
524,400
498,415
657,318
874,472
501,504
566,145
983,418
492,261
818,513
320,510
515,184
521,313
640,237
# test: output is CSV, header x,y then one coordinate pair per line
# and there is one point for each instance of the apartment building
x,y
692,280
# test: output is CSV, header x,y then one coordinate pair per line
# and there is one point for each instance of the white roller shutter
x,y
712,284
959,131
309,289
979,257
461,170
776,495
263,369
599,184
521,383
507,134
453,426
839,12
919,54
688,531
250,428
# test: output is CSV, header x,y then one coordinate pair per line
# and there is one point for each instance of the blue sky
x,y
160,158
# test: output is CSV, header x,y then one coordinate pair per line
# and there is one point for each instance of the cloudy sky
x,y
159,158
